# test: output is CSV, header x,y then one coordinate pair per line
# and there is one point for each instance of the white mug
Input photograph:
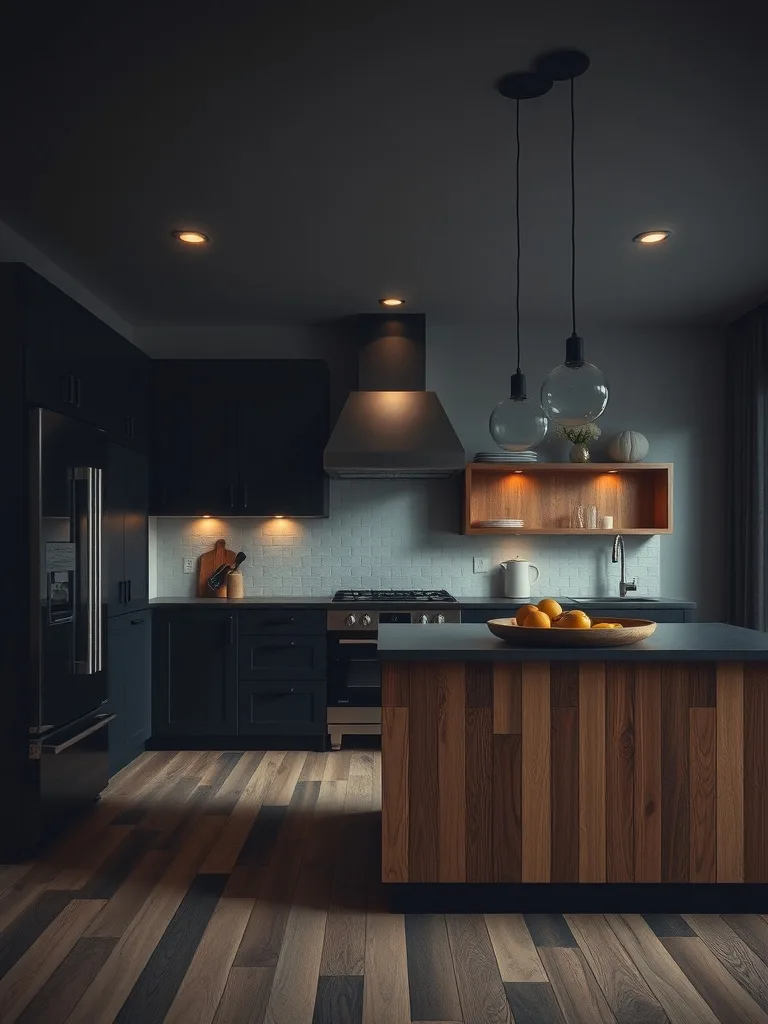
x,y
606,523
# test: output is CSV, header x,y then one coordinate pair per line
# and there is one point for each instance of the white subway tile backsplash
x,y
392,534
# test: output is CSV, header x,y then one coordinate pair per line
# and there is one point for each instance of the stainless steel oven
x,y
354,671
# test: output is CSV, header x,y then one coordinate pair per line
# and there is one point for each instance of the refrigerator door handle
x,y
88,478
57,748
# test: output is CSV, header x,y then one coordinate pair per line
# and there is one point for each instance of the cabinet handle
x,y
128,587
78,395
231,629
136,622
231,495
281,622
245,495
128,426
70,400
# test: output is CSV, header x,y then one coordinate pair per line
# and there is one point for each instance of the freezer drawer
x,y
74,768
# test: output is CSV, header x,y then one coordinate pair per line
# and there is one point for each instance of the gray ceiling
x,y
339,150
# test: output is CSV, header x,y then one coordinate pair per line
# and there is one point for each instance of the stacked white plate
x,y
503,524
506,457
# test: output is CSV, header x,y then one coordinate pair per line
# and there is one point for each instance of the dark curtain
x,y
748,448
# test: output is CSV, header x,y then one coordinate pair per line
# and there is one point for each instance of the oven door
x,y
354,671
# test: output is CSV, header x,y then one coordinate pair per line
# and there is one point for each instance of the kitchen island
x,y
617,776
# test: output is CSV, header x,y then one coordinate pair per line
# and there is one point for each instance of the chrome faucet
x,y
618,549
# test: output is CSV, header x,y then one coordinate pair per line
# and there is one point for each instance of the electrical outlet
x,y
189,565
479,564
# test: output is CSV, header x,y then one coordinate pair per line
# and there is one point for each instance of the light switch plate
x,y
189,565
479,564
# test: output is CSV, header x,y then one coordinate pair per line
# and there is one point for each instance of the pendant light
x,y
517,423
576,392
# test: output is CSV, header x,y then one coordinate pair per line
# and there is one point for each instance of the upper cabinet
x,y
545,495
74,363
240,437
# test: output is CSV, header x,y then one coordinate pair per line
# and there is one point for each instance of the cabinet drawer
x,y
281,657
281,708
281,620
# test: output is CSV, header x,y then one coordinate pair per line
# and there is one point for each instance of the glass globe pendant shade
x,y
576,392
517,424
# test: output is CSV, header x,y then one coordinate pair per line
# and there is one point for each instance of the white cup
x,y
606,523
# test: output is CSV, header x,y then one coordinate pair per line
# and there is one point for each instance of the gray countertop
x,y
462,602
689,641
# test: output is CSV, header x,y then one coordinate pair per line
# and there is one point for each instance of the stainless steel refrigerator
x,y
68,714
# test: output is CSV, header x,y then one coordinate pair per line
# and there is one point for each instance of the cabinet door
x,y
193,455
194,674
281,657
113,532
282,708
123,385
136,493
283,428
129,668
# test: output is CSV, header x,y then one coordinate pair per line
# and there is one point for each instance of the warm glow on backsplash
x,y
281,527
207,526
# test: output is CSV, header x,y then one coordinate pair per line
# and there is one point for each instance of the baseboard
x,y
583,898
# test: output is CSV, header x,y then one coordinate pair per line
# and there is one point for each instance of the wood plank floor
x,y
226,888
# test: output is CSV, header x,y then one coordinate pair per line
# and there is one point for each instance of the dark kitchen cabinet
x,y
594,612
282,431
281,708
281,657
194,673
125,530
74,363
129,673
240,437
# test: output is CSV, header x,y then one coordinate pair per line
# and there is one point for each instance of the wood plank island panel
x,y
576,772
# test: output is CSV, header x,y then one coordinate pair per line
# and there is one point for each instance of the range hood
x,y
392,428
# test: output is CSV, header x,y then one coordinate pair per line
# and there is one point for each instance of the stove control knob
x,y
424,619
351,620
365,620
439,618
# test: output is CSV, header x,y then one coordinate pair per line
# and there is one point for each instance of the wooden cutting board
x,y
207,565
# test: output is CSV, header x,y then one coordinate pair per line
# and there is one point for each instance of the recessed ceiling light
x,y
191,237
392,302
651,237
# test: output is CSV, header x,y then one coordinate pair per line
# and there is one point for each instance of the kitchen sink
x,y
611,600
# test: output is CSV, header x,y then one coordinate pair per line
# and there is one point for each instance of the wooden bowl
x,y
632,631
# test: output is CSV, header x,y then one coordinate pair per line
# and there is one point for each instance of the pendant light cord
x,y
573,212
517,227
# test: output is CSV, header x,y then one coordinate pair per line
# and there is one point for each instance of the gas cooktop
x,y
392,596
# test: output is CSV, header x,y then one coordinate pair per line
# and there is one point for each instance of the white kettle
x,y
517,578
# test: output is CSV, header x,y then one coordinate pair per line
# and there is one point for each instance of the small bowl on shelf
x,y
631,631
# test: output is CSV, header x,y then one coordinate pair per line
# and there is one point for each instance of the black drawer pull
x,y
136,622
281,622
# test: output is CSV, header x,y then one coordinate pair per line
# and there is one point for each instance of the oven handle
x,y
358,641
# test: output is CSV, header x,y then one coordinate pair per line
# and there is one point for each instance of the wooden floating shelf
x,y
637,494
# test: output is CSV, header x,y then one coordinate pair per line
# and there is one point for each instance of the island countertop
x,y
683,641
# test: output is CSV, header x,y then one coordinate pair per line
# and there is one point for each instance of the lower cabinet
x,y
129,673
281,709
594,612
194,673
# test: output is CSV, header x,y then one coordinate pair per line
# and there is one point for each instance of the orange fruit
x,y
538,620
524,612
550,607
575,619
602,625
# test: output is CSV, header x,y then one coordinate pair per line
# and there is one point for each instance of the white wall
x,y
666,383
